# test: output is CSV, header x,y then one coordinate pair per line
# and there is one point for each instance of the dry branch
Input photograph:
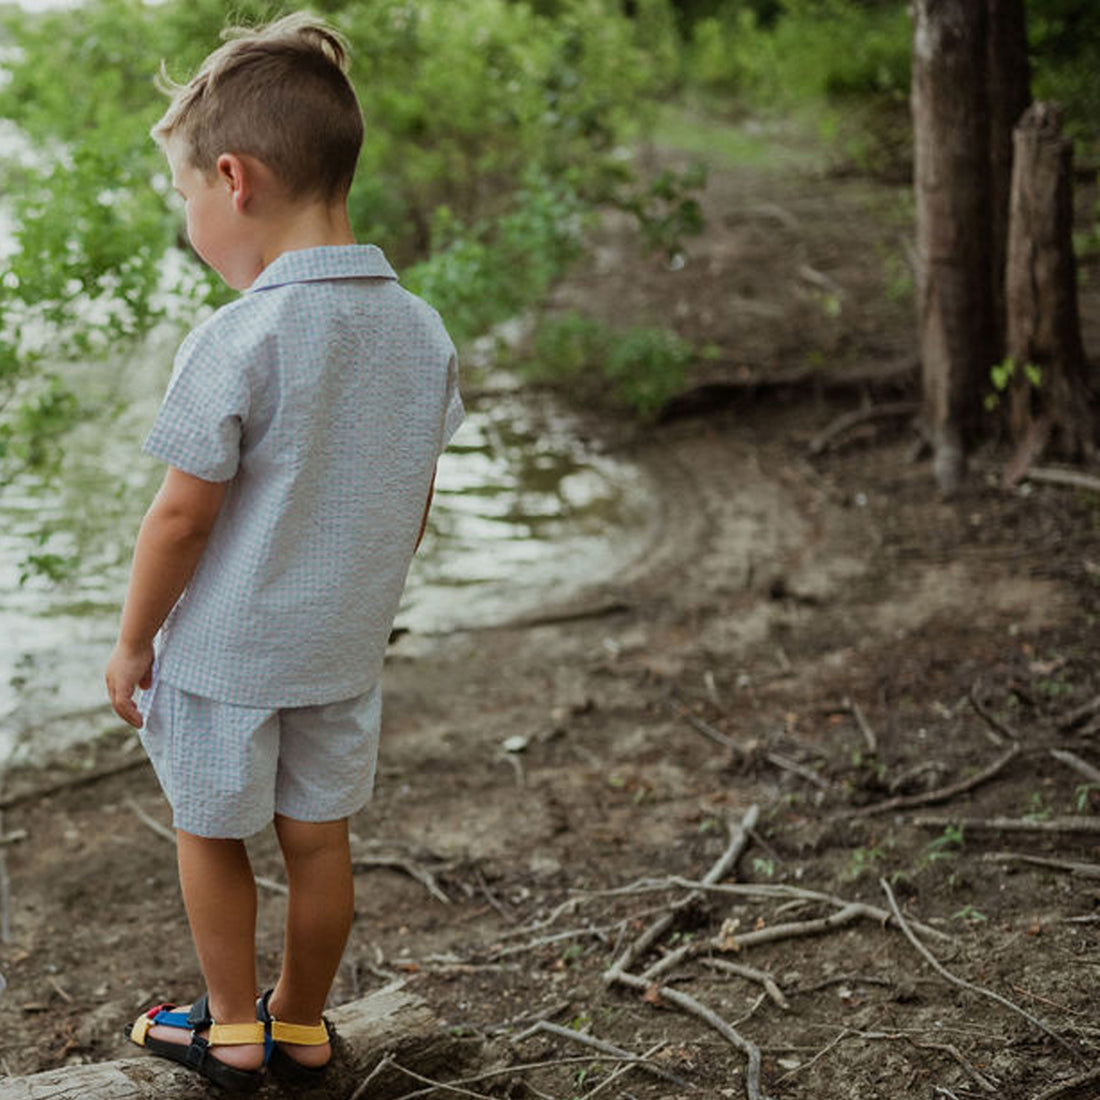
x,y
739,838
708,1016
400,863
1085,870
1072,1085
997,729
828,435
1014,824
1079,715
1072,760
962,983
941,794
1074,479
751,974
72,782
544,1026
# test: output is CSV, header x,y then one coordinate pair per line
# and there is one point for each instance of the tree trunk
x,y
1009,91
1041,289
951,166
388,1021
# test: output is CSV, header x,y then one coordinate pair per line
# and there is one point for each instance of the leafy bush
x,y
639,368
490,126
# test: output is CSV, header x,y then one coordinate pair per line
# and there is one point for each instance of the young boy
x,y
301,429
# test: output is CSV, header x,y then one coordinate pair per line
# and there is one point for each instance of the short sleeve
x,y
198,427
455,412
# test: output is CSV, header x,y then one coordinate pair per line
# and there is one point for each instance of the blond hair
x,y
279,93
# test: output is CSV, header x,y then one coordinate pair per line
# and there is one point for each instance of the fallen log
x,y
389,1021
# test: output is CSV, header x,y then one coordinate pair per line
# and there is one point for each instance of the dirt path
x,y
780,591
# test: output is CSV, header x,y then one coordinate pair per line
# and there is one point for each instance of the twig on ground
x,y
5,895
941,794
828,435
167,834
962,983
400,863
708,1016
739,838
1082,767
834,1042
785,763
73,781
626,1068
492,899
840,979
1085,870
763,891
568,906
1081,824
14,837
1071,1085
700,725
384,1064
1079,715
753,975
997,729
1073,479
864,726
444,1085
545,1027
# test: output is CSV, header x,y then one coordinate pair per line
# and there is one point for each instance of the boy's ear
x,y
234,173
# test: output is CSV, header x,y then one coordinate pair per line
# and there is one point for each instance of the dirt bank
x,y
810,636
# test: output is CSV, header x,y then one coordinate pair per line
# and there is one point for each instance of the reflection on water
x,y
525,513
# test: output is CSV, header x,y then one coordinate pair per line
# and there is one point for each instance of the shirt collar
x,y
349,261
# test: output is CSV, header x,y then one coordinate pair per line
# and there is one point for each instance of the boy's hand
x,y
128,669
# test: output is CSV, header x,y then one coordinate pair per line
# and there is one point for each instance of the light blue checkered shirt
x,y
324,396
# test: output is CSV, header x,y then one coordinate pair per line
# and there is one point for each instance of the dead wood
x,y
942,794
708,1016
1062,1088
388,1021
829,435
1014,824
1079,715
962,983
567,1033
72,782
739,838
1081,767
751,974
1073,479
1085,870
399,863
997,729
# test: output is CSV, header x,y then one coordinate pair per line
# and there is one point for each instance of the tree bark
x,y
384,1022
1009,91
1041,290
954,227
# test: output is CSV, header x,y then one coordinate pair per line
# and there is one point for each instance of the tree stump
x,y
951,126
1044,328
389,1021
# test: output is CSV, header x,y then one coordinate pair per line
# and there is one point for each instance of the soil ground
x,y
719,672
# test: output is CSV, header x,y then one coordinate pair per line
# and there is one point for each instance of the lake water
x,y
525,514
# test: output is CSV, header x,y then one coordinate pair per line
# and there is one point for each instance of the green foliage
x,y
1064,36
844,61
639,368
1001,375
490,128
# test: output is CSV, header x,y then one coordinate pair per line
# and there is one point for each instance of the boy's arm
x,y
170,543
427,509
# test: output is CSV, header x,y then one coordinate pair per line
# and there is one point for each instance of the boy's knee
x,y
303,839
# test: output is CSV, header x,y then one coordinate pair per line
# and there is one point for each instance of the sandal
x,y
276,1031
197,1054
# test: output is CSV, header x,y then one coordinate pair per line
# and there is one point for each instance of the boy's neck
x,y
315,225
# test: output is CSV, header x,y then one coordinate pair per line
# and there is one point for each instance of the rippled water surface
x,y
525,513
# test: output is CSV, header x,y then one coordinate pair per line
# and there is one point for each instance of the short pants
x,y
227,770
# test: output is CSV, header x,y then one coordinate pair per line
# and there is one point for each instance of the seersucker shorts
x,y
226,770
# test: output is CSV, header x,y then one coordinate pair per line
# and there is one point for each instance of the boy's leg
x,y
319,916
219,893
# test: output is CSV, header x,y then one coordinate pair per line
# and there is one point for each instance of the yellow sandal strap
x,y
140,1029
306,1035
235,1035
